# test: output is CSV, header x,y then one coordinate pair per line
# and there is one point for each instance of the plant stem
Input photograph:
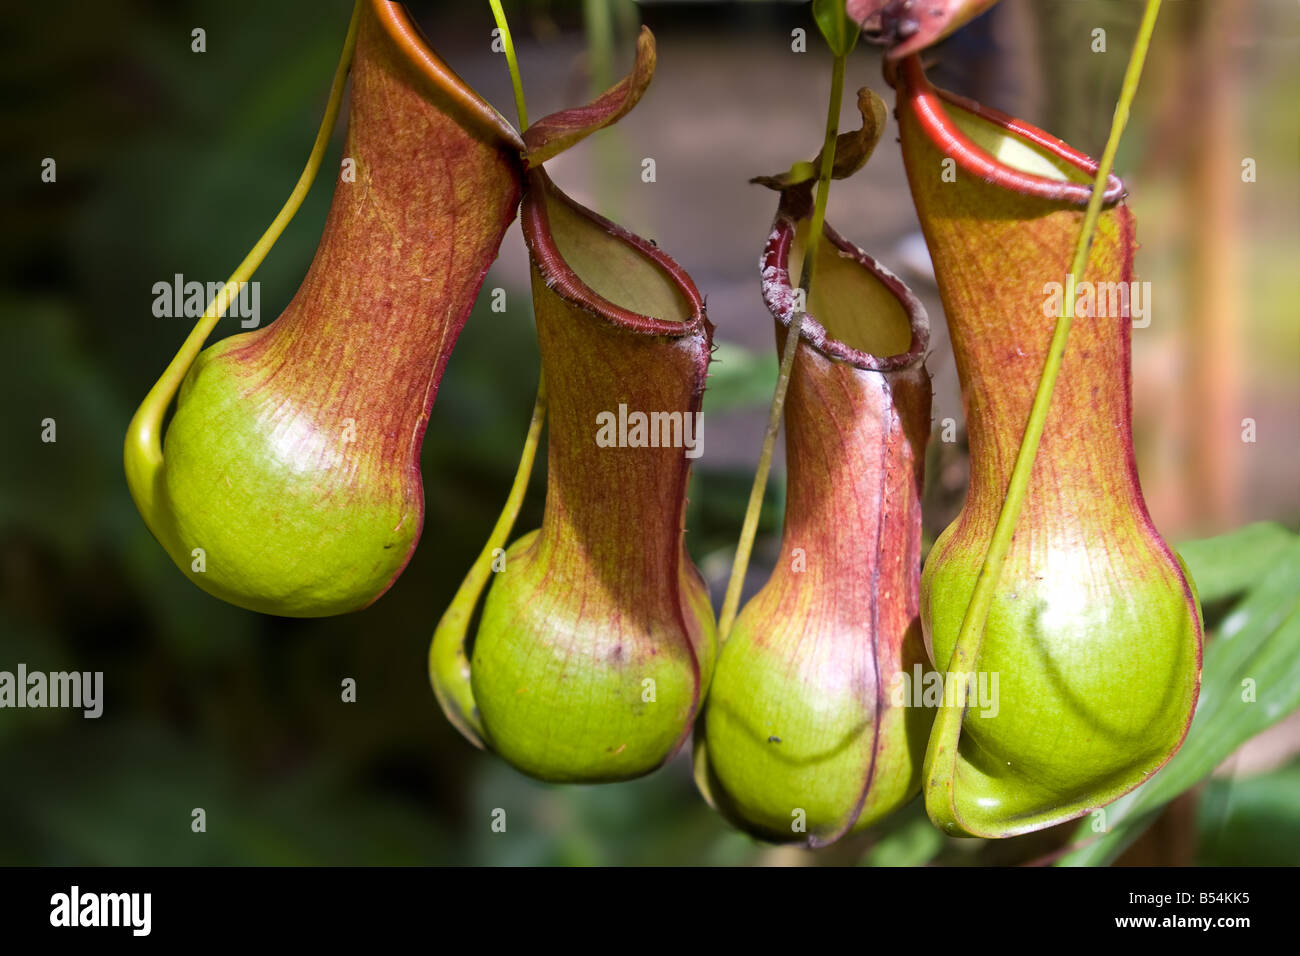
x,y
600,43
143,452
515,499
598,19
499,15
513,503
971,635
823,185
745,546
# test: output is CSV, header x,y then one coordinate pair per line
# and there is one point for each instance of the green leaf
x,y
1250,821
840,32
1229,564
1250,681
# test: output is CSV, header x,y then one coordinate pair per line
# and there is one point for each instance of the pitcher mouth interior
x,y
604,268
850,302
858,312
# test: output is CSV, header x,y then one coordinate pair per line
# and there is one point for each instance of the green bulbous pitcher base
x,y
1087,676
264,506
590,700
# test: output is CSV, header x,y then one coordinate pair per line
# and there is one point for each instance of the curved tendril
x,y
448,662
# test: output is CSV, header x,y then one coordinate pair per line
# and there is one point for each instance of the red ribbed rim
x,y
926,103
778,291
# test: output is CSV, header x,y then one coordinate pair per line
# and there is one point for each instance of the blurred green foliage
x,y
170,164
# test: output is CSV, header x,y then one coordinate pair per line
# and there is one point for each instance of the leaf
x,y
1091,626
1250,822
1230,563
852,149
841,33
802,710
553,134
1259,641
292,459
623,336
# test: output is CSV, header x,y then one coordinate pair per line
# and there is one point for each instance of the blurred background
x,y
170,161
